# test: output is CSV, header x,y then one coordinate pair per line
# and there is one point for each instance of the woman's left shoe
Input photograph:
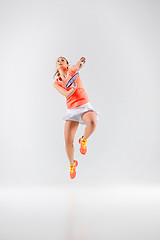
x,y
83,147
73,169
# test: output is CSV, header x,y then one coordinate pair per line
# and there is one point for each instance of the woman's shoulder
x,y
72,69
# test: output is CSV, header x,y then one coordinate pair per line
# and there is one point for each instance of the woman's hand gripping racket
x,y
69,83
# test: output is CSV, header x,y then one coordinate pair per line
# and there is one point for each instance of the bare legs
x,y
70,129
91,121
69,133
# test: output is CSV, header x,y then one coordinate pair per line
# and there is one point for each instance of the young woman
x,y
79,109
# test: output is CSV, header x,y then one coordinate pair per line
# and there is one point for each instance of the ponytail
x,y
56,74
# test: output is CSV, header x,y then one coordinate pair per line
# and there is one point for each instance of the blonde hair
x,y
57,72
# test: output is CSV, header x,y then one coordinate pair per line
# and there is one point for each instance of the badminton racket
x,y
72,79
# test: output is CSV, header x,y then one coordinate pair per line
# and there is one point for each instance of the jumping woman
x,y
79,109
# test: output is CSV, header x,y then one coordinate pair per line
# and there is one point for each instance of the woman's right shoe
x,y
73,169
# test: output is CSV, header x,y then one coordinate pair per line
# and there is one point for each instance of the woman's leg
x,y
69,133
91,121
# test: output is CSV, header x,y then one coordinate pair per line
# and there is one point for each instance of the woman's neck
x,y
63,73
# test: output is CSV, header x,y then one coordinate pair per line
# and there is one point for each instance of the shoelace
x,y
71,168
84,142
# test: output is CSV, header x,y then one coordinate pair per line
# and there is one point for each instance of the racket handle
x,y
80,66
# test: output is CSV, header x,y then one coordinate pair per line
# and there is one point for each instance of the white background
x,y
120,40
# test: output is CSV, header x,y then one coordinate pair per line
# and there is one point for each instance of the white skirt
x,y
75,114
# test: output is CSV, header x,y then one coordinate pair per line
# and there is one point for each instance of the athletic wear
x,y
75,114
83,147
73,169
79,97
78,103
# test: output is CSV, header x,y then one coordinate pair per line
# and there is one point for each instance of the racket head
x,y
69,83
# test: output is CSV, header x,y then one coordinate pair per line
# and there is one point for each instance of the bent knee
x,y
92,122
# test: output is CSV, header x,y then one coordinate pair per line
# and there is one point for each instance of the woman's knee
x,y
90,118
69,141
69,132
92,122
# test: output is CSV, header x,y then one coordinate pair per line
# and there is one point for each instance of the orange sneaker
x,y
73,169
83,148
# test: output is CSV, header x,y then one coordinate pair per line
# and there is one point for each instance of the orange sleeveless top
x,y
79,97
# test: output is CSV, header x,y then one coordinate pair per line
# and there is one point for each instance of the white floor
x,y
78,212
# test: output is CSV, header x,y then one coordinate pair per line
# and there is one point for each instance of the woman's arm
x,y
74,67
64,92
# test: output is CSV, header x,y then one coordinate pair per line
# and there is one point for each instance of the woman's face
x,y
61,63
